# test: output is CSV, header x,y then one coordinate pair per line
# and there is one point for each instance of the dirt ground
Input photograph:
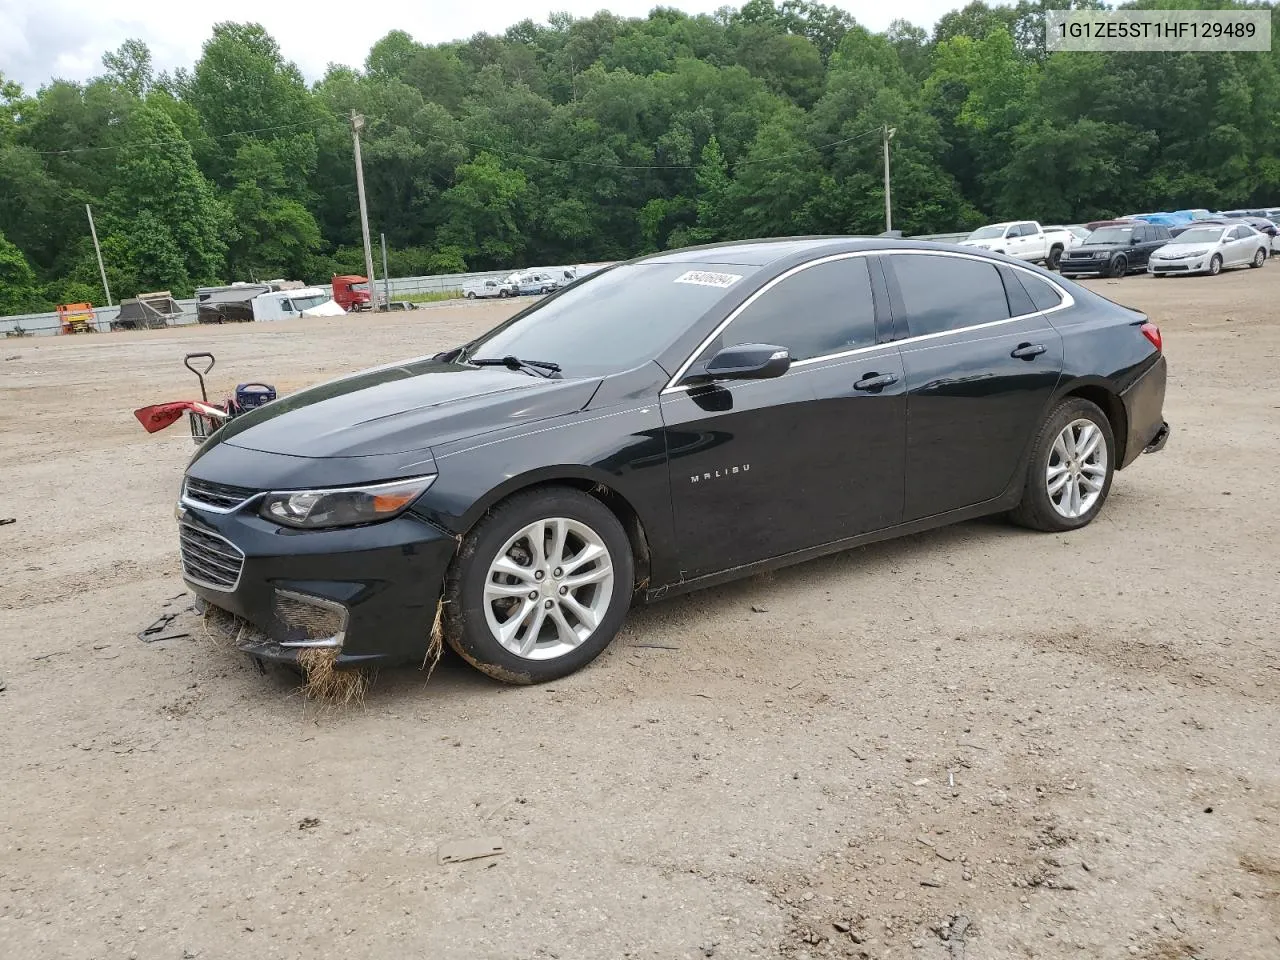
x,y
1033,745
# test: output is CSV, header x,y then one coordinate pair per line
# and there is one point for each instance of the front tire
x,y
1055,257
1070,471
1259,258
1215,265
1120,266
539,587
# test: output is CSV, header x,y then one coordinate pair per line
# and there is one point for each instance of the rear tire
x,y
511,608
1070,471
1215,265
1259,258
471,294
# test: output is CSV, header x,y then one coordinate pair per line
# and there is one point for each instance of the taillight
x,y
1152,333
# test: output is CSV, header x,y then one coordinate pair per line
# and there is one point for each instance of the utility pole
x,y
98,250
888,205
386,274
357,124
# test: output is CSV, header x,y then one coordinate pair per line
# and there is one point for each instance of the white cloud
x,y
44,39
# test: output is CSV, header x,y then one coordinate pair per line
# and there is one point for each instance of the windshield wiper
x,y
538,368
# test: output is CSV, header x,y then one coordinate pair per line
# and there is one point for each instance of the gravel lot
x,y
1069,741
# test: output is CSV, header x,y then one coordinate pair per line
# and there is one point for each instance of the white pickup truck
x,y
1024,239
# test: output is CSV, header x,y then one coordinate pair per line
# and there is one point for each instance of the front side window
x,y
821,310
946,293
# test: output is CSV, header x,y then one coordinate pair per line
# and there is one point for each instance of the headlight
x,y
1192,253
342,507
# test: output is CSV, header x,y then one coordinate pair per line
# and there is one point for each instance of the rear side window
x,y
947,293
823,309
1042,294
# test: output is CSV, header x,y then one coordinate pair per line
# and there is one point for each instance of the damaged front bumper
x,y
367,593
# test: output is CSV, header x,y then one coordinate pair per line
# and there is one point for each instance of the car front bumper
x,y
1083,268
1181,265
368,593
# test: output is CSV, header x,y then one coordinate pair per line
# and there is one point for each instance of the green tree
x,y
163,208
484,210
19,292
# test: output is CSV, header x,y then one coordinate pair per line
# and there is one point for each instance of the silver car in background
x,y
1209,248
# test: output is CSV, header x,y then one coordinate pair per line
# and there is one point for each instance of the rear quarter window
x,y
1043,294
942,293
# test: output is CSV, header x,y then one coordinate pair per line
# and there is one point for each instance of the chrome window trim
x,y
1067,301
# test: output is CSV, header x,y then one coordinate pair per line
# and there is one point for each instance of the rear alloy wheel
x,y
1120,266
1215,265
1259,258
471,294
1070,471
539,587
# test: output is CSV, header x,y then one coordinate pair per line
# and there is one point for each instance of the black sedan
x,y
659,426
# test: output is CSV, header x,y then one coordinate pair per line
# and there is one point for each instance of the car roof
x,y
759,253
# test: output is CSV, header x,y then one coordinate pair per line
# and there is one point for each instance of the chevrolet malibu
x,y
661,425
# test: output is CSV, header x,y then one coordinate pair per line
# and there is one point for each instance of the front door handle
x,y
1028,351
876,381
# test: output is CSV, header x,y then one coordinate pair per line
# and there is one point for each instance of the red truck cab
x,y
346,294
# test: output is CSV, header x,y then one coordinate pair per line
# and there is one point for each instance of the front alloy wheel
x,y
549,588
540,586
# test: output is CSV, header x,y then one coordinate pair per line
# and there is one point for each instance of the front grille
x,y
1170,266
209,559
220,496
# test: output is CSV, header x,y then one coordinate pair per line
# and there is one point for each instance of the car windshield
x,y
1111,235
614,320
987,233
1081,232
306,303
1201,235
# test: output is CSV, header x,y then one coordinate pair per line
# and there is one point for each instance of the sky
x,y
45,39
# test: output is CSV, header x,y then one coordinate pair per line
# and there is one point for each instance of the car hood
x,y
1186,249
1101,247
400,408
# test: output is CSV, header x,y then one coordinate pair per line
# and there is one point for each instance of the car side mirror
x,y
1133,241
749,361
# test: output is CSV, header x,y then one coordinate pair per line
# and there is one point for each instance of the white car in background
x,y
487,288
1209,248
1024,239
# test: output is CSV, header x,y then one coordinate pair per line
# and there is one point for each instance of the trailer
x,y
147,311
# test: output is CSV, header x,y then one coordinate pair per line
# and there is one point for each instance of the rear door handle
x,y
875,381
1028,351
